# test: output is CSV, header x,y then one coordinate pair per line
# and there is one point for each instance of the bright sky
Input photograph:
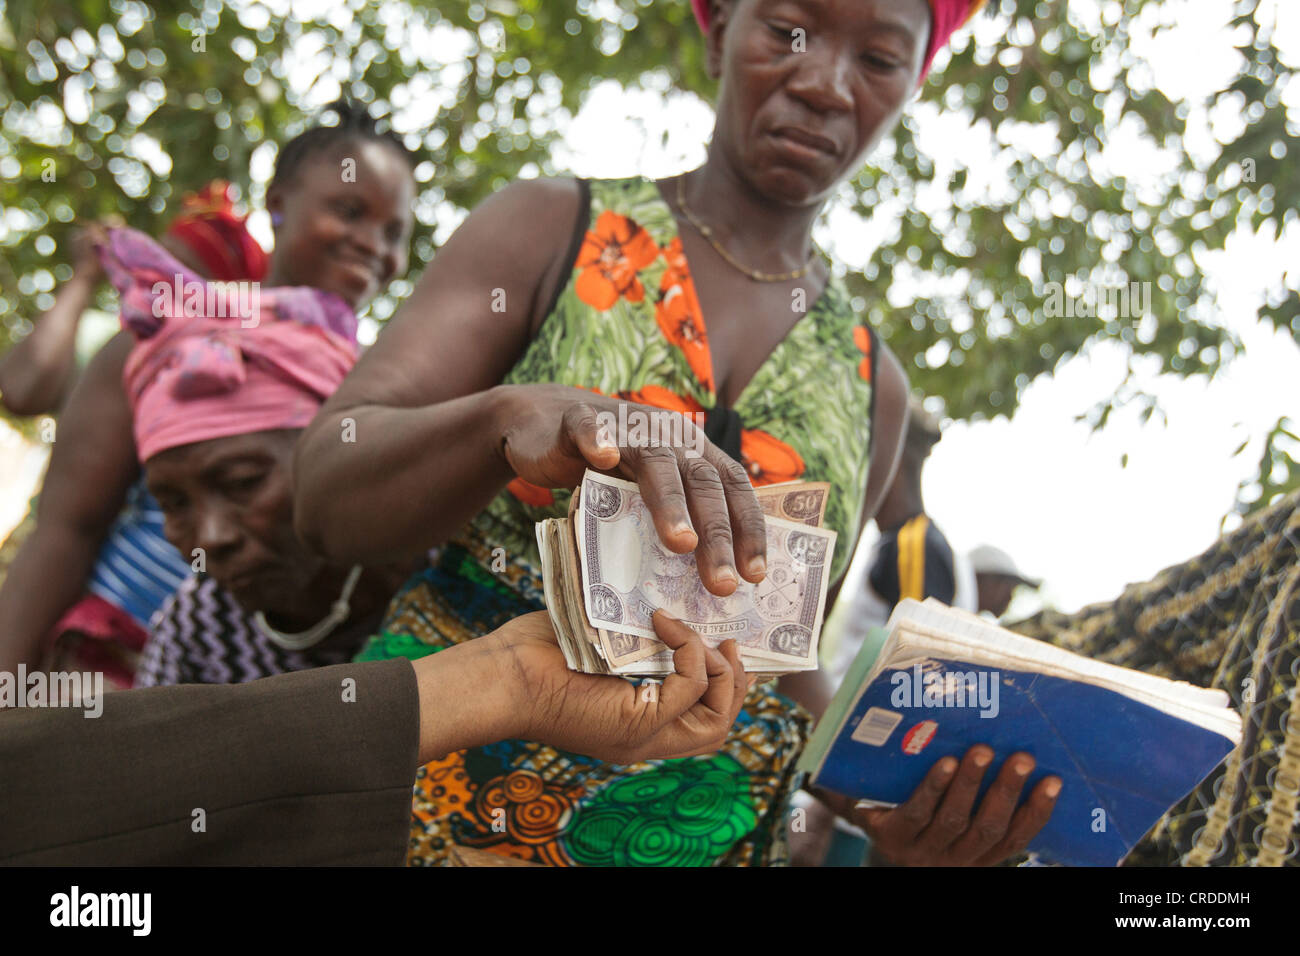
x,y
1053,493
1041,486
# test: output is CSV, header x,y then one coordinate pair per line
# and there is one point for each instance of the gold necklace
x,y
707,233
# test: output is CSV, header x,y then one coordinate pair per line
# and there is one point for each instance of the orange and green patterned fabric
x,y
628,324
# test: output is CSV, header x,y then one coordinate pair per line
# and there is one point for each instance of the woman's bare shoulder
x,y
550,202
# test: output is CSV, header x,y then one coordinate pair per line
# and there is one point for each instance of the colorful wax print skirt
x,y
529,801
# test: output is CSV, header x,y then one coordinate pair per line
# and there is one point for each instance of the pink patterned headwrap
x,y
266,361
947,17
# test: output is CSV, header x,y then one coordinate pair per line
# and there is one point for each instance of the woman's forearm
x,y
92,465
424,471
35,374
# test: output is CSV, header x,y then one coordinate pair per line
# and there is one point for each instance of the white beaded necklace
x,y
339,612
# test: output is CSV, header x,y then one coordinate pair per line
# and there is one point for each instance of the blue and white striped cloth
x,y
137,569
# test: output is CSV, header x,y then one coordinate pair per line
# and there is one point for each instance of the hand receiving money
x,y
606,572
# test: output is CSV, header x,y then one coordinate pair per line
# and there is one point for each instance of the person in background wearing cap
x,y
701,293
997,578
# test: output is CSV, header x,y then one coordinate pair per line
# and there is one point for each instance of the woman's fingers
x,y
990,823
740,680
695,716
720,698
692,680
658,476
707,502
748,526
702,503
1027,821
952,817
935,826
589,438
693,509
894,831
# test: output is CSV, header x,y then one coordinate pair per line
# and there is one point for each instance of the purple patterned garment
x,y
202,635
147,277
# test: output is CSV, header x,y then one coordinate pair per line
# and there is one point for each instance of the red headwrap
x,y
948,17
209,225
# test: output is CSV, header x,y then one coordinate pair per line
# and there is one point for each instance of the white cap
x,y
987,559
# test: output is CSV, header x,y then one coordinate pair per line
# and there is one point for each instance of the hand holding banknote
x,y
606,572
699,499
689,714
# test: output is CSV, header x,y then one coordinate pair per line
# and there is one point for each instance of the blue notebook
x,y
1126,745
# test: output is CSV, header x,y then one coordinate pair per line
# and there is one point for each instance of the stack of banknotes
x,y
606,572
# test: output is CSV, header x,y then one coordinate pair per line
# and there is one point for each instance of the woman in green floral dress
x,y
558,299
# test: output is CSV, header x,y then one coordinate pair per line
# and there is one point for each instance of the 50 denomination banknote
x,y
627,574
801,501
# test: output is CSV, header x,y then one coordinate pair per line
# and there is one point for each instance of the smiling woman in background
x,y
217,403
339,238
702,292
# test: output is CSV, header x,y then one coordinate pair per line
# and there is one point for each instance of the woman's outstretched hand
x,y
524,689
701,503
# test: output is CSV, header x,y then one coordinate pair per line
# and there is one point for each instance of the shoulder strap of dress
x,y
580,224
873,355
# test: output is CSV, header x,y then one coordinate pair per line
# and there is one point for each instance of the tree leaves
x,y
1277,474
485,88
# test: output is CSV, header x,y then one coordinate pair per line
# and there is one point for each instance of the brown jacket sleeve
x,y
284,770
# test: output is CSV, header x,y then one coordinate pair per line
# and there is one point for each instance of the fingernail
x,y
723,573
1023,767
667,614
947,765
1052,788
757,566
982,758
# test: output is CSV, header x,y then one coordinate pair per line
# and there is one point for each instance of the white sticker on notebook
x,y
875,726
